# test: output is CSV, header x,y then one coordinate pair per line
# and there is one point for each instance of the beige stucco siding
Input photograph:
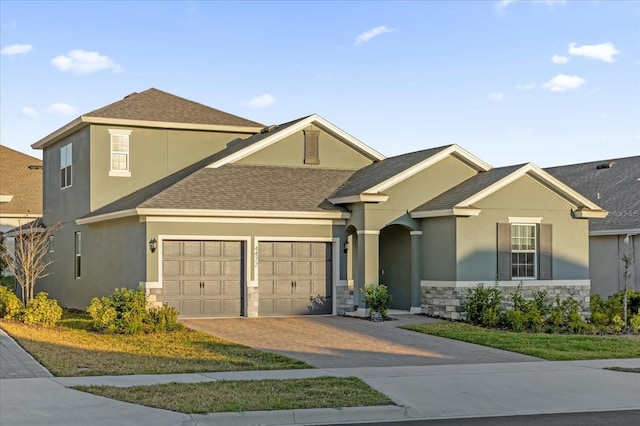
x,y
154,154
414,191
526,197
289,151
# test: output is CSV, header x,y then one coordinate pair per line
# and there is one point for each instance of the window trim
x,y
127,134
77,270
533,251
66,166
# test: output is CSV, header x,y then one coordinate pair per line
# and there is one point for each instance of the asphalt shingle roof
x,y
467,188
380,171
615,189
156,105
17,179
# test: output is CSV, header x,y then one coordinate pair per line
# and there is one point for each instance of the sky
x,y
549,82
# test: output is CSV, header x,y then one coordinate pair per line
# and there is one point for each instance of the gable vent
x,y
311,149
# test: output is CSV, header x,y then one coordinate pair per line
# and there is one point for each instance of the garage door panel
x,y
266,268
303,269
284,305
284,269
265,250
230,306
321,269
190,306
171,268
212,288
303,287
171,288
171,248
191,288
213,248
284,250
303,250
266,287
232,250
212,268
192,248
231,268
192,267
284,287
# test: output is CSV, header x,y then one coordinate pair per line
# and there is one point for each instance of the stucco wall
x,y
526,197
154,154
289,151
607,267
439,249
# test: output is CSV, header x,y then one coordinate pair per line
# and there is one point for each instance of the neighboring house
x,y
614,185
221,216
20,190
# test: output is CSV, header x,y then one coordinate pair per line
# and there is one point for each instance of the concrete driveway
x,y
333,341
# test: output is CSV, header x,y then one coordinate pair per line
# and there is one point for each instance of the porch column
x,y
368,264
416,271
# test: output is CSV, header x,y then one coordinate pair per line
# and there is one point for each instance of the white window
x,y
119,152
523,251
78,250
66,161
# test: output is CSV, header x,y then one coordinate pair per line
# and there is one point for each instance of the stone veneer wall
x,y
344,298
448,302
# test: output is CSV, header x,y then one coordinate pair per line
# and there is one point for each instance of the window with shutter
x,y
311,154
524,251
545,252
504,252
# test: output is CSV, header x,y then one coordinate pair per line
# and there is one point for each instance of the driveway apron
x,y
334,341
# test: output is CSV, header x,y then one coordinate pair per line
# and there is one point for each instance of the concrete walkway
x,y
420,392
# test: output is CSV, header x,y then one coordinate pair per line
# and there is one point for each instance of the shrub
x,y
535,320
617,323
10,305
163,319
635,322
125,312
377,299
42,310
515,320
483,305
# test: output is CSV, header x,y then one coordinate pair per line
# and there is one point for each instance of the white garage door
x,y
203,278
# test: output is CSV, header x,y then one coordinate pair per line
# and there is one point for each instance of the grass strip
x,y
552,347
70,349
248,395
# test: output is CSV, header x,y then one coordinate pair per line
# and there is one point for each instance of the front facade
x,y
217,215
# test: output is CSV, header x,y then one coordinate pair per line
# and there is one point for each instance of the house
x,y
20,190
218,215
615,185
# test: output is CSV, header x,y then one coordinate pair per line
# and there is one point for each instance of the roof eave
x,y
84,121
455,211
360,198
589,214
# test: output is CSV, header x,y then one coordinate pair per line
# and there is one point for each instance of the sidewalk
x,y
420,392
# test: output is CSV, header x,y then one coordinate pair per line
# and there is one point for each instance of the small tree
x,y
28,262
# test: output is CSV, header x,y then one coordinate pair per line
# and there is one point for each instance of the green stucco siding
x,y
289,151
154,154
526,197
439,249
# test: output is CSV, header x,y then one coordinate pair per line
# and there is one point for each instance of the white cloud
x,y
16,49
557,59
529,86
83,62
496,96
368,35
61,109
29,112
562,83
602,52
503,4
262,101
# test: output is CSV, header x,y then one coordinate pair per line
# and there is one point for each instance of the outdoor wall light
x,y
153,245
345,248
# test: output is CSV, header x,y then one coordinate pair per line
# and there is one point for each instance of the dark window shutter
x,y
546,259
311,155
504,252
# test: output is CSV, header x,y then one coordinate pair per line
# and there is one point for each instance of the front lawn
x,y
70,349
234,396
553,347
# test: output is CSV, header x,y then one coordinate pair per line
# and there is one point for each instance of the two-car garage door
x,y
206,278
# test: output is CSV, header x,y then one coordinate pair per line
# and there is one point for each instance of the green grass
x,y
234,396
70,349
553,347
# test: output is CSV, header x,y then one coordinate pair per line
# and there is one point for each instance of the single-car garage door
x,y
294,278
203,278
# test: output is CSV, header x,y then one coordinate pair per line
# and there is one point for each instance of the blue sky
x,y
552,82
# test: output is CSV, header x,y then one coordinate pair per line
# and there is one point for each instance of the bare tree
x,y
28,261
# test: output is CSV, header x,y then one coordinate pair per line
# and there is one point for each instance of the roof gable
x,y
274,134
20,183
378,177
461,199
155,108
